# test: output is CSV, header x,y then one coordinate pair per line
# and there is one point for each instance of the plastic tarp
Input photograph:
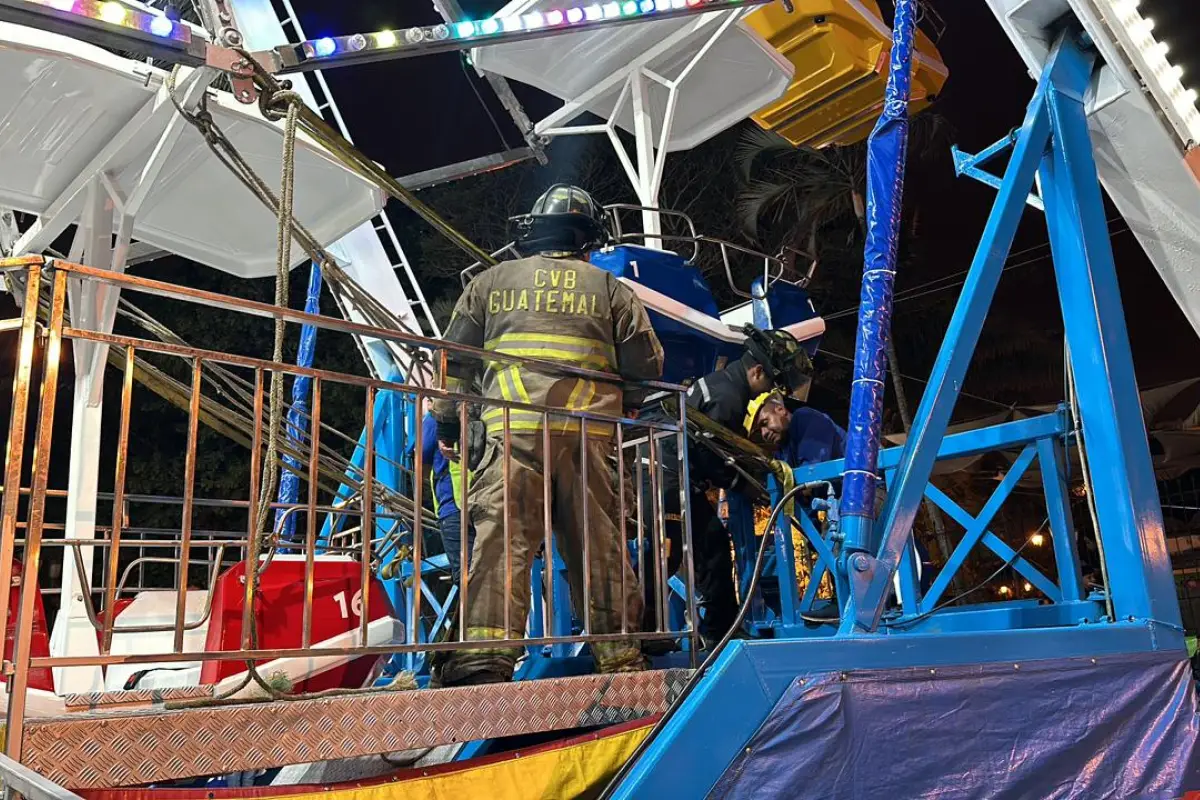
x,y
1111,727
886,154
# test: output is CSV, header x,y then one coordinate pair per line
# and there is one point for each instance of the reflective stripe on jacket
x,y
561,310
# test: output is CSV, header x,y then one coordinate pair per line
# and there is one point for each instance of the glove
x,y
449,431
787,481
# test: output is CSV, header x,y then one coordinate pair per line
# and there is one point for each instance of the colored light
x,y
113,12
62,5
1027,586
629,7
574,15
161,26
512,24
534,20
386,39
1175,72
593,13
612,10
464,29
554,17
324,47
647,6
678,3
1037,540
1005,590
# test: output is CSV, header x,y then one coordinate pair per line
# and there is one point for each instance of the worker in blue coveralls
x,y
802,436
445,479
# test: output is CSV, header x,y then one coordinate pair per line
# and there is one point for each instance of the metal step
x,y
102,750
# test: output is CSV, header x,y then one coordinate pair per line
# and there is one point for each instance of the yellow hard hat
x,y
755,406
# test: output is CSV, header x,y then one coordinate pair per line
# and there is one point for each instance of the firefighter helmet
x,y
780,354
564,220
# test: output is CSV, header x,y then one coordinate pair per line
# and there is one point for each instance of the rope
x,y
275,105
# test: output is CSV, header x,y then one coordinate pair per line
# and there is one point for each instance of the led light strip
x,y
324,52
1149,56
122,17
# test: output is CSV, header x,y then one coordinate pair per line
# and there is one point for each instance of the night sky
x,y
419,113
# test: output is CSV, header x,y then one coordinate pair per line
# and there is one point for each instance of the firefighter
x,y
771,360
550,305
445,486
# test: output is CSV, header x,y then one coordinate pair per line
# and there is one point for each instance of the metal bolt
x,y
860,563
232,37
244,94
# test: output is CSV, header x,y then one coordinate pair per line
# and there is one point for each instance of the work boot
x,y
449,675
618,657
471,668
655,648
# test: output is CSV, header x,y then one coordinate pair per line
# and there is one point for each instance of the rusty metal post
x,y
19,684
189,496
18,422
118,521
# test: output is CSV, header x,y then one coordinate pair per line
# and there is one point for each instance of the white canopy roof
x,y
68,109
740,74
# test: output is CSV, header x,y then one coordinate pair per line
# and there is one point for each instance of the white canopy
x,y
740,74
70,109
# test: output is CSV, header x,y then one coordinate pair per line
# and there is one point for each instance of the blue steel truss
x,y
741,688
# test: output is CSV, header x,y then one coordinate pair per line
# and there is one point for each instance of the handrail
x,y
16,778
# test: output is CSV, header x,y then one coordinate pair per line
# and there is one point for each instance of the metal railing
x,y
19,780
371,534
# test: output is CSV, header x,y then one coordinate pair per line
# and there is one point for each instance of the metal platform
x,y
94,750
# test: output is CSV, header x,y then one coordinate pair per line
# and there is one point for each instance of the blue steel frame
x,y
713,724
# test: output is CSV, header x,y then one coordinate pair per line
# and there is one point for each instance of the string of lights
x,y
423,40
115,24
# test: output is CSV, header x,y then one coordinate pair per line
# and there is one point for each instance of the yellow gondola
x,y
840,49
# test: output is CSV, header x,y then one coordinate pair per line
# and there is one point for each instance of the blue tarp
x,y
886,154
298,424
1111,727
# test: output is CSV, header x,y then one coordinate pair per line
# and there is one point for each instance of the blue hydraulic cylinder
x,y
886,155
297,426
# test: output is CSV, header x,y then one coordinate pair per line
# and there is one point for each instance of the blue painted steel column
x,y
886,155
870,586
1114,431
297,426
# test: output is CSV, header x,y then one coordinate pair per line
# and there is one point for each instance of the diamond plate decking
x,y
100,750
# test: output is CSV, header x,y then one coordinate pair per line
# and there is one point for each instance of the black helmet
x,y
563,220
780,354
